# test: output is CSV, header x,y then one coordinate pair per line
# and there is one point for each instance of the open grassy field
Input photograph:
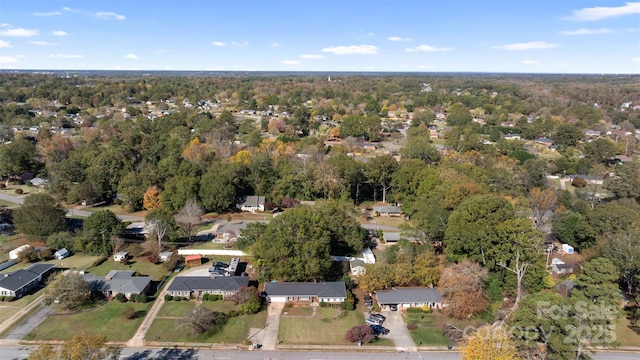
x,y
429,332
323,328
236,330
105,320
26,190
625,335
141,266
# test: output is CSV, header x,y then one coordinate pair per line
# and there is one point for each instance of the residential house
x,y
512,137
410,297
329,292
545,141
61,254
559,267
387,210
119,256
118,282
23,281
251,203
394,237
199,285
13,254
193,260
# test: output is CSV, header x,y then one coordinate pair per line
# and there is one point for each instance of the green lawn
x,y
319,330
428,332
106,320
625,335
142,266
235,331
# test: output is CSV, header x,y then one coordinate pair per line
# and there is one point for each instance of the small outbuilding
x,y
567,249
122,255
61,254
13,254
193,260
165,256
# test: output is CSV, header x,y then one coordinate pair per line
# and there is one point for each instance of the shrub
x,y
323,304
205,297
177,298
99,261
168,297
414,310
579,182
19,191
121,298
129,313
2,185
360,333
412,326
154,259
1,298
232,314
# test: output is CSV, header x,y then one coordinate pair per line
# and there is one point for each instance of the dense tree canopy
x,y
40,215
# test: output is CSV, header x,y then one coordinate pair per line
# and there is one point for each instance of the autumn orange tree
x,y
491,342
151,198
542,203
80,347
462,286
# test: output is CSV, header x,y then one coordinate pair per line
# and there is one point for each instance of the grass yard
x,y
140,265
298,311
26,190
4,203
236,330
625,335
428,331
319,330
106,320
208,245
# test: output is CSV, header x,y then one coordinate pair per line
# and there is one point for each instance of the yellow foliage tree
x,y
151,198
489,343
80,347
242,157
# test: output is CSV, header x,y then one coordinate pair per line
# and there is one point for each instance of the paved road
x,y
20,353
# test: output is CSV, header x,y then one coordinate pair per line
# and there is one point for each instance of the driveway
x,y
20,331
270,337
398,331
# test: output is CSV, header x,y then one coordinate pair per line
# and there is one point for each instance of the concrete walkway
x,y
270,338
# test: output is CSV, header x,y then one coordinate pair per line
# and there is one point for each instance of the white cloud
x,y
352,49
4,44
18,32
65,56
427,48
240,44
585,31
59,33
7,60
42,43
131,56
66,8
218,43
398,38
109,15
603,12
529,62
527,46
636,59
291,62
54,13
313,56
275,44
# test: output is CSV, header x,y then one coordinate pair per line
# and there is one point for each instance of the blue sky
x,y
522,36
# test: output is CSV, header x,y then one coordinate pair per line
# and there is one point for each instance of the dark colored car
x,y
379,329
393,307
378,316
220,264
368,301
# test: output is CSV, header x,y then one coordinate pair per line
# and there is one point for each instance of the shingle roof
x,y
123,282
408,295
195,283
325,289
20,278
387,209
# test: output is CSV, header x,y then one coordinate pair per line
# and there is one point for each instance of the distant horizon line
x,y
299,72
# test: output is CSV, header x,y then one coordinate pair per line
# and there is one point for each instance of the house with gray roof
x,y
410,297
390,210
200,285
118,282
23,281
251,203
329,292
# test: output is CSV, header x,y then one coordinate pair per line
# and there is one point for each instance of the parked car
x,y
379,330
371,321
220,264
368,301
393,307
378,316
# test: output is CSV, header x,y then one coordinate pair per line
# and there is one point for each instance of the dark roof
x,y
195,283
408,295
122,281
20,278
324,289
251,201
